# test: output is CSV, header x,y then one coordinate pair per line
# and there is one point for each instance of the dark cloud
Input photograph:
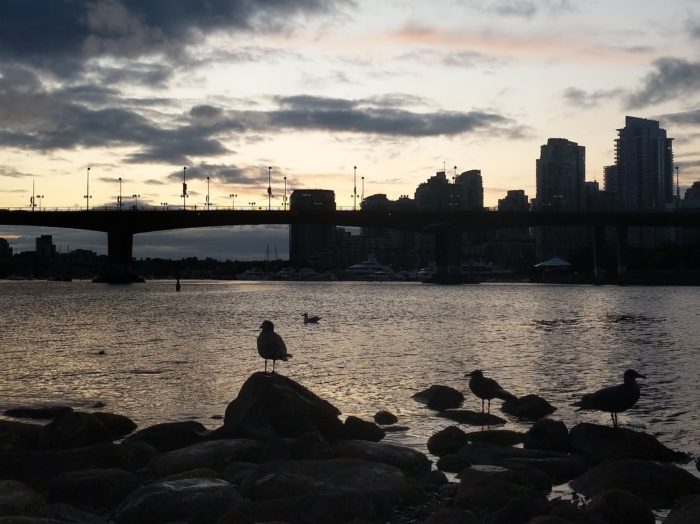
x,y
12,173
692,26
684,118
227,174
586,99
671,78
461,59
521,8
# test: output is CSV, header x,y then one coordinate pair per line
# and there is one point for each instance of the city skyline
x,y
313,89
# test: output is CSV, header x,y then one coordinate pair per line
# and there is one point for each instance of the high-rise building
x,y
45,247
312,245
5,249
561,173
437,194
472,187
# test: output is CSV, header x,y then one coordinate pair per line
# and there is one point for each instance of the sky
x,y
139,89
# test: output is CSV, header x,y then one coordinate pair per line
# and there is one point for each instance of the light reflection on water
x,y
173,356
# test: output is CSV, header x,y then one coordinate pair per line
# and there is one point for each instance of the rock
x,y
215,454
295,478
498,437
487,490
271,405
440,397
385,418
617,506
520,510
171,435
46,412
447,441
237,472
308,446
117,425
93,489
599,443
452,463
358,429
452,516
685,511
65,513
74,430
570,512
337,507
548,435
529,407
29,520
19,436
195,501
658,484
16,498
548,519
406,459
395,429
471,418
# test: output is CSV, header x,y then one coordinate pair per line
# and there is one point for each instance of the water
x,y
172,356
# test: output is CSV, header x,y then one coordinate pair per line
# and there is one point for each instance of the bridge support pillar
x,y
119,250
597,240
448,253
621,245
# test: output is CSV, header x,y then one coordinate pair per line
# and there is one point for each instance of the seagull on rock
x,y
613,399
270,345
310,320
487,389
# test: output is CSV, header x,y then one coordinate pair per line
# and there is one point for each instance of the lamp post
x,y
354,190
40,197
678,193
269,188
284,200
136,201
252,205
165,205
87,192
32,200
362,197
119,199
208,204
184,188
233,201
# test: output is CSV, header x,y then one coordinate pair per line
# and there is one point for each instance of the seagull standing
x,y
613,399
310,320
270,345
487,389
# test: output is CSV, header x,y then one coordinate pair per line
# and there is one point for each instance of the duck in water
x,y
613,399
487,389
310,320
270,345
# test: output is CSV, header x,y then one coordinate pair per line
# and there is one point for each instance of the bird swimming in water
x,y
310,320
487,389
270,345
613,399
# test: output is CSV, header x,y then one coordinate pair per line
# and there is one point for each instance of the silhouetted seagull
x,y
487,388
270,345
310,320
613,399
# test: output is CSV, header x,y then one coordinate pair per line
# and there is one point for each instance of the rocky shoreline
x,y
284,455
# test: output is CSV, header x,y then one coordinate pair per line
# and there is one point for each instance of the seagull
x,y
270,345
613,399
487,388
310,320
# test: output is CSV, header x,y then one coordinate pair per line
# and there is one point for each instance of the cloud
x,y
692,26
586,99
461,59
671,78
521,8
683,118
227,174
12,173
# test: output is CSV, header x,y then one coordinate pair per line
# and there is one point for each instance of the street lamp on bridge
x,y
284,199
87,192
252,205
678,193
165,205
136,201
354,189
184,188
40,197
269,187
207,203
119,198
233,201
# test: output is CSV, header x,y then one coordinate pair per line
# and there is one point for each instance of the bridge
x,y
121,224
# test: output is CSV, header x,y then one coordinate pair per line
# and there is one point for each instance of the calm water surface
x,y
172,356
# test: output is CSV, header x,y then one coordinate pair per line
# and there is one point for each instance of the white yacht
x,y
370,269
254,273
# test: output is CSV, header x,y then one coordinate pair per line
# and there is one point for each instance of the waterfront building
x,y
560,176
472,187
5,249
312,245
45,247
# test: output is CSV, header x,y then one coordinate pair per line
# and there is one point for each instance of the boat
x,y
370,269
253,273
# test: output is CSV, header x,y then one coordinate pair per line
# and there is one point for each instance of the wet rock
x,y
271,405
237,472
17,498
570,512
385,418
452,463
395,429
358,429
447,441
406,459
74,430
617,506
548,519
139,452
519,510
497,437
685,511
215,454
598,443
19,436
529,407
548,435
65,513
195,501
658,484
337,507
439,397
472,418
92,489
452,516
42,413
117,425
171,435
308,446
296,478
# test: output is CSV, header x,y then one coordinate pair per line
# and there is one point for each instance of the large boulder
x,y
273,480
16,498
358,429
117,425
75,429
19,436
439,397
195,501
171,435
529,407
309,446
548,435
40,413
598,443
659,484
685,511
499,437
447,441
406,459
385,418
93,489
617,506
270,405
472,418
215,454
